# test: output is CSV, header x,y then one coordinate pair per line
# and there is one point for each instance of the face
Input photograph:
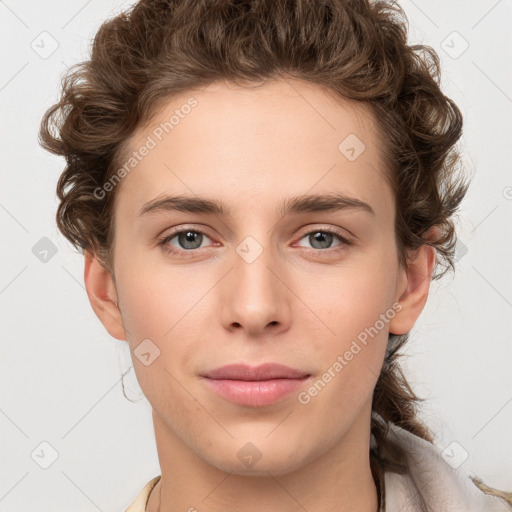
x,y
271,269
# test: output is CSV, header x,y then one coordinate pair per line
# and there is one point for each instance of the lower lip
x,y
255,393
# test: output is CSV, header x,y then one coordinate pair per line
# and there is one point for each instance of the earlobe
x,y
413,292
102,296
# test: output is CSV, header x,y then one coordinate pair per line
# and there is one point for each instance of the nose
x,y
255,296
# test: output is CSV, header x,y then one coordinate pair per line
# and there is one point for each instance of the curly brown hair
x,y
355,48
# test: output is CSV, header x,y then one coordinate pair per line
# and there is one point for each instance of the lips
x,y
255,386
265,371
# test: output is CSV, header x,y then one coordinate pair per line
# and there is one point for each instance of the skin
x,y
297,304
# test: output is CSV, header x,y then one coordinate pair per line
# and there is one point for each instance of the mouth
x,y
255,386
267,371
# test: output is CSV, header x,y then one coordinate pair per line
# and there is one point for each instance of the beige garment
x,y
444,489
139,504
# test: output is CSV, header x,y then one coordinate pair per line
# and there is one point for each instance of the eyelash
x,y
163,241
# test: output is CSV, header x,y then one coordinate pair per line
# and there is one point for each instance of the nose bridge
x,y
256,297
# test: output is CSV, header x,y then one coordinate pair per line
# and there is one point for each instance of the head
x,y
261,182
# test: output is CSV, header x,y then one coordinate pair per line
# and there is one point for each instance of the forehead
x,y
243,144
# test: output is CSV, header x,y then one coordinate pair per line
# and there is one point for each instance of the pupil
x,y
324,239
188,240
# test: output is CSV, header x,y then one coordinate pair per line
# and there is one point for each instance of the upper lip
x,y
265,371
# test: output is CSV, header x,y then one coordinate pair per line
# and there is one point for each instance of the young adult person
x,y
263,191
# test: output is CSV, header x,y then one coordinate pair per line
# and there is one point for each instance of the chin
x,y
257,458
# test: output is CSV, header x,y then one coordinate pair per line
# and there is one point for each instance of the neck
x,y
339,480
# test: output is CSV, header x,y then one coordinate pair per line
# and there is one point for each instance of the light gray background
x,y
61,371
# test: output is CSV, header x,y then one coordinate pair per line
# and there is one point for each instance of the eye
x,y
322,239
186,240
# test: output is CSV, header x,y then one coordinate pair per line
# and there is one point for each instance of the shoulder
x,y
437,483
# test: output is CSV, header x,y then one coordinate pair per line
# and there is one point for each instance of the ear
x,y
103,296
414,286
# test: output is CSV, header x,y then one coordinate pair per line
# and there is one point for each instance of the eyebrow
x,y
294,205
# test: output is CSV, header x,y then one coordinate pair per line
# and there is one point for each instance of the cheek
x,y
349,300
158,306
355,307
168,306
154,299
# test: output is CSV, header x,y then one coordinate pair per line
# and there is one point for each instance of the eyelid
x,y
169,232
344,234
